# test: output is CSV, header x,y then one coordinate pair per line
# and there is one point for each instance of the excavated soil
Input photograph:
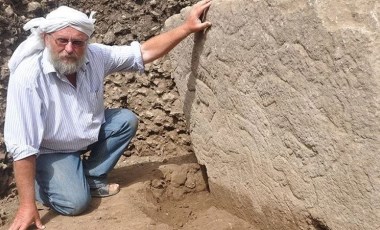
x,y
162,186
151,197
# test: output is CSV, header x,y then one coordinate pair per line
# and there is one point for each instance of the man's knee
x,y
117,119
128,120
72,204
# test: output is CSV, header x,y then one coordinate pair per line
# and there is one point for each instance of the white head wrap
x,y
58,19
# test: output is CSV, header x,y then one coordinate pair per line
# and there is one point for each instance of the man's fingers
x,y
24,219
19,226
39,224
203,2
203,9
203,5
24,226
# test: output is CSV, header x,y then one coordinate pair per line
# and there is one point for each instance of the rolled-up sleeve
x,y
139,62
118,58
23,128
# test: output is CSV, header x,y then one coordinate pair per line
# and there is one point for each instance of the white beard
x,y
66,66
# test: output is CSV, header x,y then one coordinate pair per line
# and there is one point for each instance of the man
x,y
55,110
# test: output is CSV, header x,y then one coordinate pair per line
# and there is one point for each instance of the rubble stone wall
x,y
282,98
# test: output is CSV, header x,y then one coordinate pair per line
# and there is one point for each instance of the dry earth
x,y
151,197
162,186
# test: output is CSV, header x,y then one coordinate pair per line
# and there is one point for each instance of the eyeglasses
x,y
65,41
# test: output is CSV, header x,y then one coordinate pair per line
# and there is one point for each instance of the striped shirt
x,y
46,114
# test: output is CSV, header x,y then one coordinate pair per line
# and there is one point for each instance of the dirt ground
x,y
137,207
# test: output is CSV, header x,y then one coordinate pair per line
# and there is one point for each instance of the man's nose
x,y
69,47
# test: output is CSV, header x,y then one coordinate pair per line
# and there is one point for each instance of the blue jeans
x,y
63,180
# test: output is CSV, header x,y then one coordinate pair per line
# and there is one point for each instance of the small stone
x,y
33,7
109,38
168,97
156,183
179,177
9,11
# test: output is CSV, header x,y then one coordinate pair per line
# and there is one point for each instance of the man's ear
x,y
44,38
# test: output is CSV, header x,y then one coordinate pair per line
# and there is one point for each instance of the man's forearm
x,y
25,171
161,44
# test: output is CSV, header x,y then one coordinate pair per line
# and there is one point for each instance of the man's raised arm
x,y
161,44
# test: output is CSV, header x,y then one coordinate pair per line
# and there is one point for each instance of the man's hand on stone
x,y
193,21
